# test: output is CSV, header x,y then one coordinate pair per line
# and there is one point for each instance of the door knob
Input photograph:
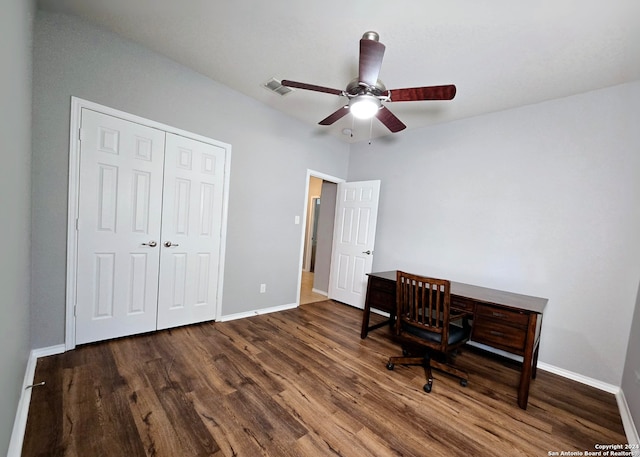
x,y
151,244
168,244
368,252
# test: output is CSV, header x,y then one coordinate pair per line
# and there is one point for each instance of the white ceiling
x,y
499,53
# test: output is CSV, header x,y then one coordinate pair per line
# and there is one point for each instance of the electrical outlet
x,y
263,288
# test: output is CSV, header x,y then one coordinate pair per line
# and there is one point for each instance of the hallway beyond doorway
x,y
307,295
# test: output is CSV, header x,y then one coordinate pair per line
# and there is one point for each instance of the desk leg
x,y
366,313
535,361
525,381
530,356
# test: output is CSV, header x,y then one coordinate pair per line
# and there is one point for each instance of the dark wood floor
x,y
298,383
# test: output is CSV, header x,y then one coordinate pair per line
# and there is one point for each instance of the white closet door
x,y
121,173
191,231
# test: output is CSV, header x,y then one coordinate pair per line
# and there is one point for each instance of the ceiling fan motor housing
x,y
355,87
371,35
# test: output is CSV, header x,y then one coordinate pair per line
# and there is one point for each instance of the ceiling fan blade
x,y
339,114
371,54
298,85
422,93
390,120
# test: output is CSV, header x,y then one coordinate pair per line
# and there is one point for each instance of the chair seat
x,y
457,334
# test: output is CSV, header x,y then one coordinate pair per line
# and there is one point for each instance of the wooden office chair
x,y
424,326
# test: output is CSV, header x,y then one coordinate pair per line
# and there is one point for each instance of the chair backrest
x,y
423,309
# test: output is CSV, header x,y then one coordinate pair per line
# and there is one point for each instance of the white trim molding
x,y
20,422
579,378
257,312
324,177
630,428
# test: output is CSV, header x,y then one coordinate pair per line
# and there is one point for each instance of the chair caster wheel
x,y
463,382
427,388
390,366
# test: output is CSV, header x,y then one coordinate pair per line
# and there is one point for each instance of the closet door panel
x,y
120,181
191,231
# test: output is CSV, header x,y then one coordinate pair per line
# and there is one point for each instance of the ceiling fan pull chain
x,y
370,129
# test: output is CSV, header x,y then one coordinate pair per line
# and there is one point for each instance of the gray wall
x,y
325,236
630,381
270,158
541,200
16,23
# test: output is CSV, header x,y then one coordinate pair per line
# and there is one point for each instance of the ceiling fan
x,y
366,93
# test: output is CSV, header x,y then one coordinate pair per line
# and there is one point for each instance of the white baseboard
x,y
555,370
321,292
579,378
627,421
257,312
381,313
20,422
51,350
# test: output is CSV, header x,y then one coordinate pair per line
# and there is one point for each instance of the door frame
x,y
324,177
77,105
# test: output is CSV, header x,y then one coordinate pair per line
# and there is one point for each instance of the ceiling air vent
x,y
275,86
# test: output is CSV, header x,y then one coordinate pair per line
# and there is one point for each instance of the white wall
x,y
16,22
270,158
542,200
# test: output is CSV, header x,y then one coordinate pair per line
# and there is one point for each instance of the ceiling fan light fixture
x,y
364,106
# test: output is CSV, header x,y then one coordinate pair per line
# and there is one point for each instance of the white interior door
x,y
353,241
121,173
191,231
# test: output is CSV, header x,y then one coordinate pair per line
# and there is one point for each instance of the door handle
x,y
368,252
168,244
151,244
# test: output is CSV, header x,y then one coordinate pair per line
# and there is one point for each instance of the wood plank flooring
x,y
298,383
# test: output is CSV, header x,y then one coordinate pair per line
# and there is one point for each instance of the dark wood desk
x,y
502,320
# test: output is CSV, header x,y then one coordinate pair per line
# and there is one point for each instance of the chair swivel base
x,y
428,364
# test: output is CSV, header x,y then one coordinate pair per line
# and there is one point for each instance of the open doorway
x,y
317,238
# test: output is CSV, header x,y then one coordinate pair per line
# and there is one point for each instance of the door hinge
x,y
81,135
75,307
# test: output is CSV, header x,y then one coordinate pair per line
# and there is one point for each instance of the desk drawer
x,y
382,300
499,335
462,304
383,285
381,294
502,315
